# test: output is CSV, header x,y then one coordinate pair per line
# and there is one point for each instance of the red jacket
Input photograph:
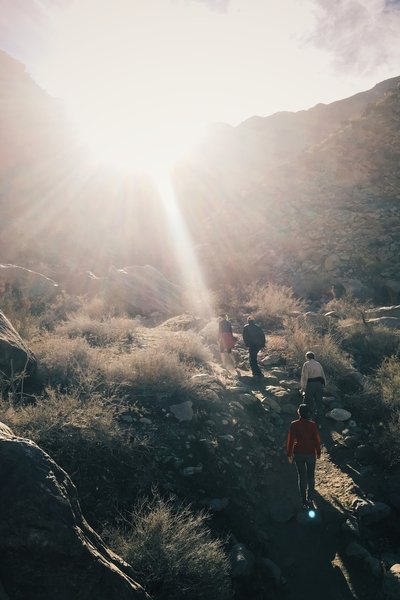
x,y
303,438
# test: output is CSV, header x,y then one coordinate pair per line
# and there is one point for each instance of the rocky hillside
x,y
307,199
329,217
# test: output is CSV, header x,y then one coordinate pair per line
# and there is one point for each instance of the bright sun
x,y
132,92
118,142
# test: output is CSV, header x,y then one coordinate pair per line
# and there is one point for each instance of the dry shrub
x,y
388,441
187,346
388,380
148,371
300,338
66,363
99,332
99,308
369,345
173,553
347,308
107,463
272,302
20,316
210,332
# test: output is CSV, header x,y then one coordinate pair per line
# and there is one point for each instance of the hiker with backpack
x,y
254,339
312,383
304,447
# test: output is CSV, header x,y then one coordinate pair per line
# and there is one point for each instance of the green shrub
x,y
173,553
271,303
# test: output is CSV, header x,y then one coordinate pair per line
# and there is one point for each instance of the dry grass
x,y
146,371
371,345
173,553
271,303
107,463
300,338
106,332
187,346
388,380
64,362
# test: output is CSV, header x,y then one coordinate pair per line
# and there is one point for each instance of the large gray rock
x,y
139,289
383,311
47,548
15,356
371,512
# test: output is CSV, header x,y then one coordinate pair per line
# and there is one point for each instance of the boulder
x,y
182,411
139,290
391,583
30,284
48,550
15,356
371,512
388,322
339,414
383,311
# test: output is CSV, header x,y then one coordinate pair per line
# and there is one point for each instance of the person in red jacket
x,y
304,446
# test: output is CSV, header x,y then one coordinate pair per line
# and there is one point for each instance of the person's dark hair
x,y
310,355
303,411
223,316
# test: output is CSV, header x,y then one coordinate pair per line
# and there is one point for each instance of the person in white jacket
x,y
312,383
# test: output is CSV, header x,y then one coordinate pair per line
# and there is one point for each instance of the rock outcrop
x,y
47,548
15,355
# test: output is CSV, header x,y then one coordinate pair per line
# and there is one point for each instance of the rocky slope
x,y
307,199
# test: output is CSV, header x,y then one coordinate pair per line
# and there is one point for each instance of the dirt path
x,y
312,553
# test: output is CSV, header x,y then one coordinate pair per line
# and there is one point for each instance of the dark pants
x,y
305,464
253,351
313,397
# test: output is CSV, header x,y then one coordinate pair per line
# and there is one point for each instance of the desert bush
x,y
209,333
59,309
387,442
68,363
369,346
300,338
148,370
99,332
173,553
388,380
347,308
108,464
20,316
272,302
187,346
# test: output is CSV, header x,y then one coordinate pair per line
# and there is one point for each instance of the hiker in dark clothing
x,y
254,339
304,446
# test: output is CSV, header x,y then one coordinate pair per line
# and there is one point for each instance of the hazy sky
x,y
219,60
125,67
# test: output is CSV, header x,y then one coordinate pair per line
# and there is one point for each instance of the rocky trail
x,y
229,453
